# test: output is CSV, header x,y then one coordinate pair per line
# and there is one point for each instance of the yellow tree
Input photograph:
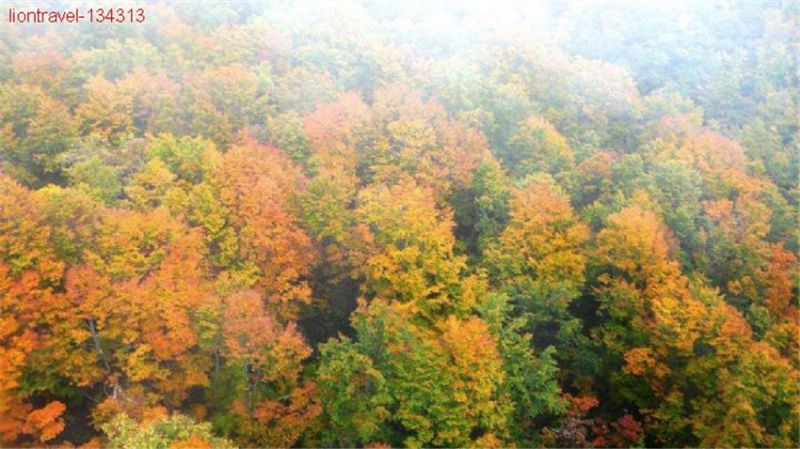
x,y
416,138
108,110
539,260
537,146
405,250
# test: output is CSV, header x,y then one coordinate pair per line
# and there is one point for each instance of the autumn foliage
x,y
370,225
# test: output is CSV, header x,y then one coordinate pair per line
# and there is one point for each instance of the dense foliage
x,y
453,225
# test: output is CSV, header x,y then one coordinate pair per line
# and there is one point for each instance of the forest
x,y
402,224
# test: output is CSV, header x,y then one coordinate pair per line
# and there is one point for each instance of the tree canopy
x,y
242,224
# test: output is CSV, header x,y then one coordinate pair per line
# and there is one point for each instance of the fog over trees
x,y
406,224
